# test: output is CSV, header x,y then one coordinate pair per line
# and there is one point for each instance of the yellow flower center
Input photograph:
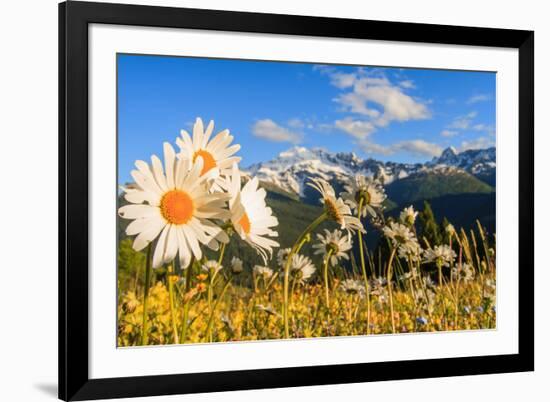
x,y
177,207
208,160
245,223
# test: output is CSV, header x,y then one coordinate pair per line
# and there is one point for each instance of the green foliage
x,y
460,209
488,177
432,185
429,228
131,265
444,223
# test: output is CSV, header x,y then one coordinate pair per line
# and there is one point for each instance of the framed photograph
x,y
257,201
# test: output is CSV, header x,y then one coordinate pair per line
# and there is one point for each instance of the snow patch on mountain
x,y
291,169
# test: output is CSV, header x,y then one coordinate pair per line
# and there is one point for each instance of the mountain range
x,y
291,169
459,186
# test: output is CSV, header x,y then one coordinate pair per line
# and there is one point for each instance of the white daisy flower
x,y
211,267
410,250
353,287
217,154
334,243
170,202
441,255
260,270
335,208
366,189
251,217
399,234
408,216
236,265
463,272
282,256
301,267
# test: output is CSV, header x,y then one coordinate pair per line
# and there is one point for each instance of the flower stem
x,y
457,287
144,337
440,275
325,276
295,248
390,292
222,253
212,313
211,290
363,268
172,309
188,276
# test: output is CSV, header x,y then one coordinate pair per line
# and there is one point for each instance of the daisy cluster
x,y
192,198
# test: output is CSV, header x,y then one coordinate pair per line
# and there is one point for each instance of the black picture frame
x,y
74,18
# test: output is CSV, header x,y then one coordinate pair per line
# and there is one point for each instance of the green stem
x,y
292,287
297,245
440,275
457,287
188,276
363,269
172,309
412,288
390,292
210,290
222,252
211,286
325,276
212,313
144,337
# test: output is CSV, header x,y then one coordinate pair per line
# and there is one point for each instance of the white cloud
x,y
271,131
323,68
377,102
381,101
466,122
343,80
371,94
448,133
489,129
355,103
296,123
373,148
478,98
463,122
323,127
478,143
418,148
407,84
359,129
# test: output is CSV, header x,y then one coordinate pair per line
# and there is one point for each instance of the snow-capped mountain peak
x,y
291,169
448,156
475,161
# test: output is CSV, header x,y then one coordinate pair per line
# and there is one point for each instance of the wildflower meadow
x,y
203,257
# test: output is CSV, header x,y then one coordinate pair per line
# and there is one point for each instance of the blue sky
x,y
402,115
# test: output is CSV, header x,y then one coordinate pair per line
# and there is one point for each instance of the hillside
x,y
434,184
